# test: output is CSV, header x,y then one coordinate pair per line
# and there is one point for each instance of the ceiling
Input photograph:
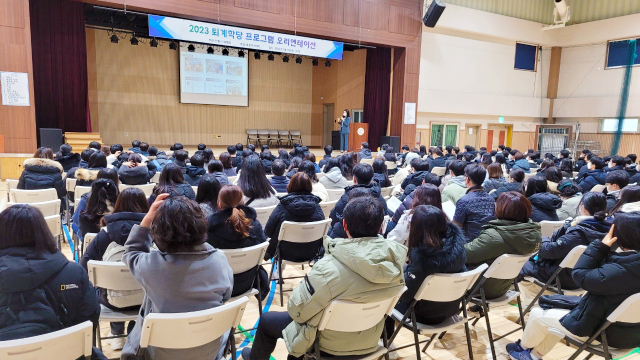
x,y
542,10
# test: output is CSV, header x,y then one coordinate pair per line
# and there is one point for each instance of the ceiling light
x,y
209,50
271,57
298,60
327,63
191,48
285,59
225,52
314,62
256,55
241,53
173,45
154,43
114,38
134,40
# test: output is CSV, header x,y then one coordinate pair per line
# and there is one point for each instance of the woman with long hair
x,y
235,226
380,174
545,204
566,166
172,182
425,194
227,164
208,192
42,172
346,165
319,190
496,178
344,123
254,184
629,200
284,156
104,194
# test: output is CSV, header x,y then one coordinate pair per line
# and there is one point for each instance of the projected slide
x,y
213,79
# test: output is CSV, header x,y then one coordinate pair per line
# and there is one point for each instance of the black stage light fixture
x,y
327,63
256,55
285,59
114,38
225,52
241,53
134,40
173,45
298,60
191,48
314,62
271,57
209,50
154,43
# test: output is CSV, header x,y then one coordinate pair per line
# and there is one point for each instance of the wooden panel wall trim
x,y
329,11
397,92
404,20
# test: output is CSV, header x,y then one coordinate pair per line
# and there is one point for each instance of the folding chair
x,y
598,188
113,275
274,136
439,171
252,135
263,213
232,179
55,226
367,161
11,184
297,232
529,175
568,262
386,191
194,188
334,194
283,136
47,208
550,227
193,329
147,189
156,178
70,185
79,191
391,167
296,137
505,267
243,260
349,317
628,312
88,238
327,206
67,344
32,196
263,137
438,288
385,222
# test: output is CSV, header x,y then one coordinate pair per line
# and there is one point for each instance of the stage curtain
x,y
60,65
376,94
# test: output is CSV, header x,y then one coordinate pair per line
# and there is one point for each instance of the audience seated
x,y
380,174
134,172
293,166
595,174
365,152
215,168
278,180
456,187
319,190
337,230
299,205
496,178
104,194
284,156
609,277
333,177
266,159
420,173
515,183
86,176
390,155
369,268
254,184
553,176
328,150
236,161
566,167
172,182
615,181
235,226
512,232
545,204
476,208
42,172
425,194
67,158
157,158
81,204
617,162
571,196
437,159
310,157
347,162
194,171
227,163
629,200
207,195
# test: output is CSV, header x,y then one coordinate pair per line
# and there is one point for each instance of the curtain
x,y
376,94
436,135
59,52
450,134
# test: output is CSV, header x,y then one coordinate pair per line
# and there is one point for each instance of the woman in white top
x,y
255,186
425,194
319,190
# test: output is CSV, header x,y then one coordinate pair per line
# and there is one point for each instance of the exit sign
x,y
501,119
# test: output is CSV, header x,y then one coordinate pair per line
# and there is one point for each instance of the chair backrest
x,y
303,232
13,184
47,208
273,133
627,312
88,238
263,132
572,257
295,133
252,132
549,227
156,178
245,259
385,222
367,161
55,224
327,206
334,194
147,189
349,316
191,329
195,190
506,267
79,191
32,196
439,171
263,213
112,275
598,188
67,344
283,133
390,165
527,176
448,287
71,184
386,191
232,179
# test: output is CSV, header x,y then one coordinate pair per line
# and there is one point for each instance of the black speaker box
x,y
51,138
393,141
335,140
433,13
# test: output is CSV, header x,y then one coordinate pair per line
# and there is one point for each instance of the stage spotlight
x,y
209,50
241,53
191,48
173,45
225,52
256,55
327,63
114,38
271,57
134,40
154,43
285,59
298,60
314,62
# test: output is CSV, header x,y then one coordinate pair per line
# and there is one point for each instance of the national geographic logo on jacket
x,y
64,287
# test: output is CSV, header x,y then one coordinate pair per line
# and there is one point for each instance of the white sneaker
x,y
393,354
118,343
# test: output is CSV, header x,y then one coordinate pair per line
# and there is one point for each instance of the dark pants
x,y
269,331
344,141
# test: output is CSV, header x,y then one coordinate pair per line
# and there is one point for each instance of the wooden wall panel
x,y
351,12
375,15
629,143
404,20
272,6
329,11
13,13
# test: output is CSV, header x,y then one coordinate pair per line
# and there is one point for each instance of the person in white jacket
x,y
309,168
333,177
425,194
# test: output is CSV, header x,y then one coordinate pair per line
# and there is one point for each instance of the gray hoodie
x,y
334,179
176,282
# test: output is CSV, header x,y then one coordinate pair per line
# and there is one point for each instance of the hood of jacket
x,y
43,165
300,205
70,157
373,187
546,201
22,269
87,174
452,253
134,172
593,228
334,174
374,258
417,177
119,225
458,180
523,164
524,237
195,170
365,152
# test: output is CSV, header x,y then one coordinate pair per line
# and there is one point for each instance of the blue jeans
x,y
344,141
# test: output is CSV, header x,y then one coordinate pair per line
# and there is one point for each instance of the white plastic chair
x,y
79,191
243,260
334,194
193,329
529,175
112,275
367,161
11,184
195,190
439,171
147,189
386,191
263,213
47,208
54,223
295,136
67,344
88,238
156,178
548,228
252,135
385,222
327,206
598,188
391,167
438,288
297,232
32,196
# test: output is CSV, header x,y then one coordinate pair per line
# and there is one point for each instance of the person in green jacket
x,y
364,268
457,187
512,232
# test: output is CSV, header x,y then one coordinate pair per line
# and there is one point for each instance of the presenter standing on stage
x,y
344,130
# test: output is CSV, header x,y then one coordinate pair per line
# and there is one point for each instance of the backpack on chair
x,y
125,298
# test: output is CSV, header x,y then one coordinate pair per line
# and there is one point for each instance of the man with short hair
x,y
363,268
236,161
476,208
144,150
278,180
456,188
67,158
616,163
135,146
95,145
403,153
328,150
595,175
158,159
419,170
194,171
180,158
585,168
365,152
438,159
615,181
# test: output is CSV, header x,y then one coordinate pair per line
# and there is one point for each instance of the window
x,y
356,115
618,53
526,57
444,134
611,125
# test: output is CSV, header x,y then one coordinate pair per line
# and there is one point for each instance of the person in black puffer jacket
x,y
32,273
420,169
267,160
134,172
235,226
42,172
172,182
66,158
194,171
516,177
85,177
380,173
544,204
406,202
591,225
609,277
300,205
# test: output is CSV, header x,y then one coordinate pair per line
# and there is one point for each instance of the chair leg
x,y
98,337
233,343
466,328
414,324
424,349
259,292
280,281
385,343
517,288
605,346
486,318
442,335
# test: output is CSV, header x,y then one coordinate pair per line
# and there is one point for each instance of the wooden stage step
x,y
80,141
